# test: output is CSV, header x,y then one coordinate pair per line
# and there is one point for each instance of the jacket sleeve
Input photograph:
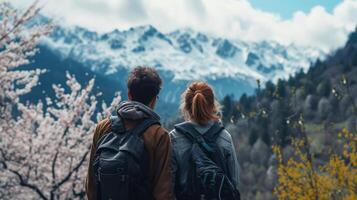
x,y
90,185
102,127
233,165
162,188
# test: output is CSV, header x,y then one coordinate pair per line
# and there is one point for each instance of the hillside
x,y
322,101
325,94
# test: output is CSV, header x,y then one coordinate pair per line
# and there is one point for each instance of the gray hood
x,y
134,110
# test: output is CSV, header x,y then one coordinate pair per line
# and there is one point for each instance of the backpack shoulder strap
x,y
211,137
116,124
141,128
191,133
188,130
213,133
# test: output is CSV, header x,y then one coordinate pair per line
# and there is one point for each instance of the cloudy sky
x,y
319,23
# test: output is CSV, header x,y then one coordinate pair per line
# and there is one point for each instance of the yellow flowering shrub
x,y
299,178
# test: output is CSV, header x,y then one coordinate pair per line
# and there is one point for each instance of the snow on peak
x,y
184,53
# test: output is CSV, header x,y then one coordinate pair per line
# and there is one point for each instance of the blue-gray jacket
x,y
181,155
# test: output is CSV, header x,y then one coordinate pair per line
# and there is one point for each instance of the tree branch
x,y
23,182
68,176
20,21
54,166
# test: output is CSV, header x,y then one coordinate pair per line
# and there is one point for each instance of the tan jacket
x,y
157,144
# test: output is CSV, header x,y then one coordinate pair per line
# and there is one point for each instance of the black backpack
x,y
121,163
208,176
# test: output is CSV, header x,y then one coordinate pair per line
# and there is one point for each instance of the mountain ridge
x,y
181,52
181,56
232,67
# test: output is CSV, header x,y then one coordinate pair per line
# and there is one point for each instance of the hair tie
x,y
198,91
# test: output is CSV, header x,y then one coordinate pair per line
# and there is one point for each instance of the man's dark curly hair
x,y
144,84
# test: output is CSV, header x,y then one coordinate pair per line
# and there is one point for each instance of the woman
x,y
204,162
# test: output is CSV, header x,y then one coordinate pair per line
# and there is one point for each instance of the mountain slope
x,y
181,56
230,66
56,70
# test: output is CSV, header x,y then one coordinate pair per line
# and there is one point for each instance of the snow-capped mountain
x,y
231,66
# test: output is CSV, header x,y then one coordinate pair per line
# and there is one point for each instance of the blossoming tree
x,y
43,146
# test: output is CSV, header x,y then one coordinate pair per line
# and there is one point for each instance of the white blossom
x,y
43,146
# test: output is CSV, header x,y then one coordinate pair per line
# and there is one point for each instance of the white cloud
x,y
235,19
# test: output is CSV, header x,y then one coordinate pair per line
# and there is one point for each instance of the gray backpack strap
x,y
141,128
187,129
211,135
117,125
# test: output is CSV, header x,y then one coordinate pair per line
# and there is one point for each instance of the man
x,y
144,85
